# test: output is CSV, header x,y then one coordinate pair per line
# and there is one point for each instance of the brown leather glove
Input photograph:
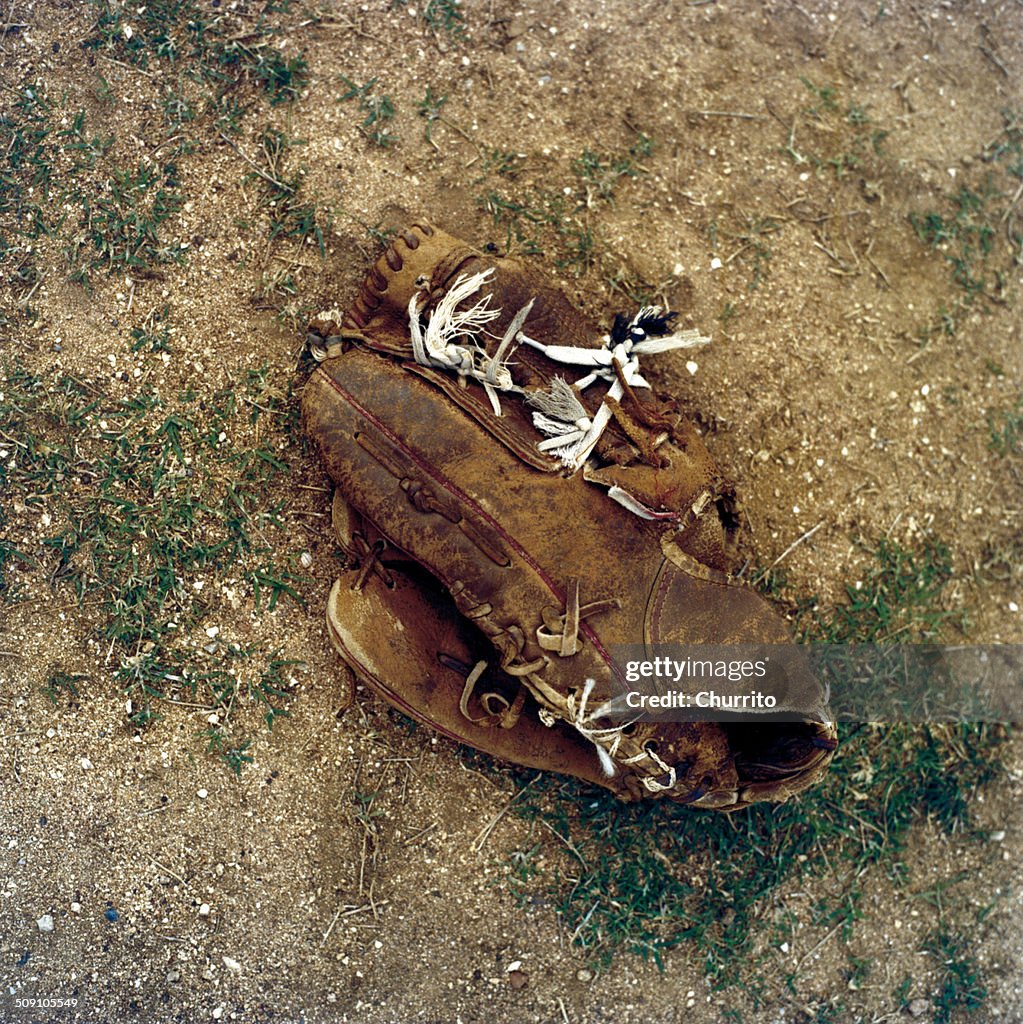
x,y
515,502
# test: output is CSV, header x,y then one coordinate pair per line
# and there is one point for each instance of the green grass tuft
x,y
150,500
961,985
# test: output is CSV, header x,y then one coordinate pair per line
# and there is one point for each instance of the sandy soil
x,y
771,212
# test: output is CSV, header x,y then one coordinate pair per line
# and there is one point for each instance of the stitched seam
x,y
431,471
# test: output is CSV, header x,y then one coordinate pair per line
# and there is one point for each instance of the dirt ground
x,y
766,169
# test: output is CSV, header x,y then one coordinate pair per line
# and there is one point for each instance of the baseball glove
x,y
514,501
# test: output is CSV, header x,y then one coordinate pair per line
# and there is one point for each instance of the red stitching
x,y
447,485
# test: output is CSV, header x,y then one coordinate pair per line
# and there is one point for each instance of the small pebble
x,y
45,923
997,837
583,974
76,907
173,975
204,910
918,1007
518,979
86,763
202,794
232,965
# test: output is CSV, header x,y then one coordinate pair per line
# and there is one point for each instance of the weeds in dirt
x,y
440,15
61,684
149,500
749,245
430,108
444,15
1006,429
231,752
556,220
123,227
599,176
168,31
153,333
961,984
839,134
289,215
1001,559
979,231
378,108
898,599
965,237
66,179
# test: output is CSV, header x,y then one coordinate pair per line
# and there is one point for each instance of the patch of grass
x,y
898,599
1007,147
825,95
648,878
272,687
527,220
599,176
445,15
965,236
839,134
153,334
10,556
149,500
961,984
290,215
122,226
378,110
1006,429
979,230
171,31
277,583
65,179
555,221
87,151
281,78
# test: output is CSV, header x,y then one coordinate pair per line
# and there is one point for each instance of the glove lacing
x,y
448,342
366,558
607,740
441,344
560,633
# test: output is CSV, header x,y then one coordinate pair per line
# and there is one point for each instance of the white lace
x,y
448,342
574,435
443,343
607,739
